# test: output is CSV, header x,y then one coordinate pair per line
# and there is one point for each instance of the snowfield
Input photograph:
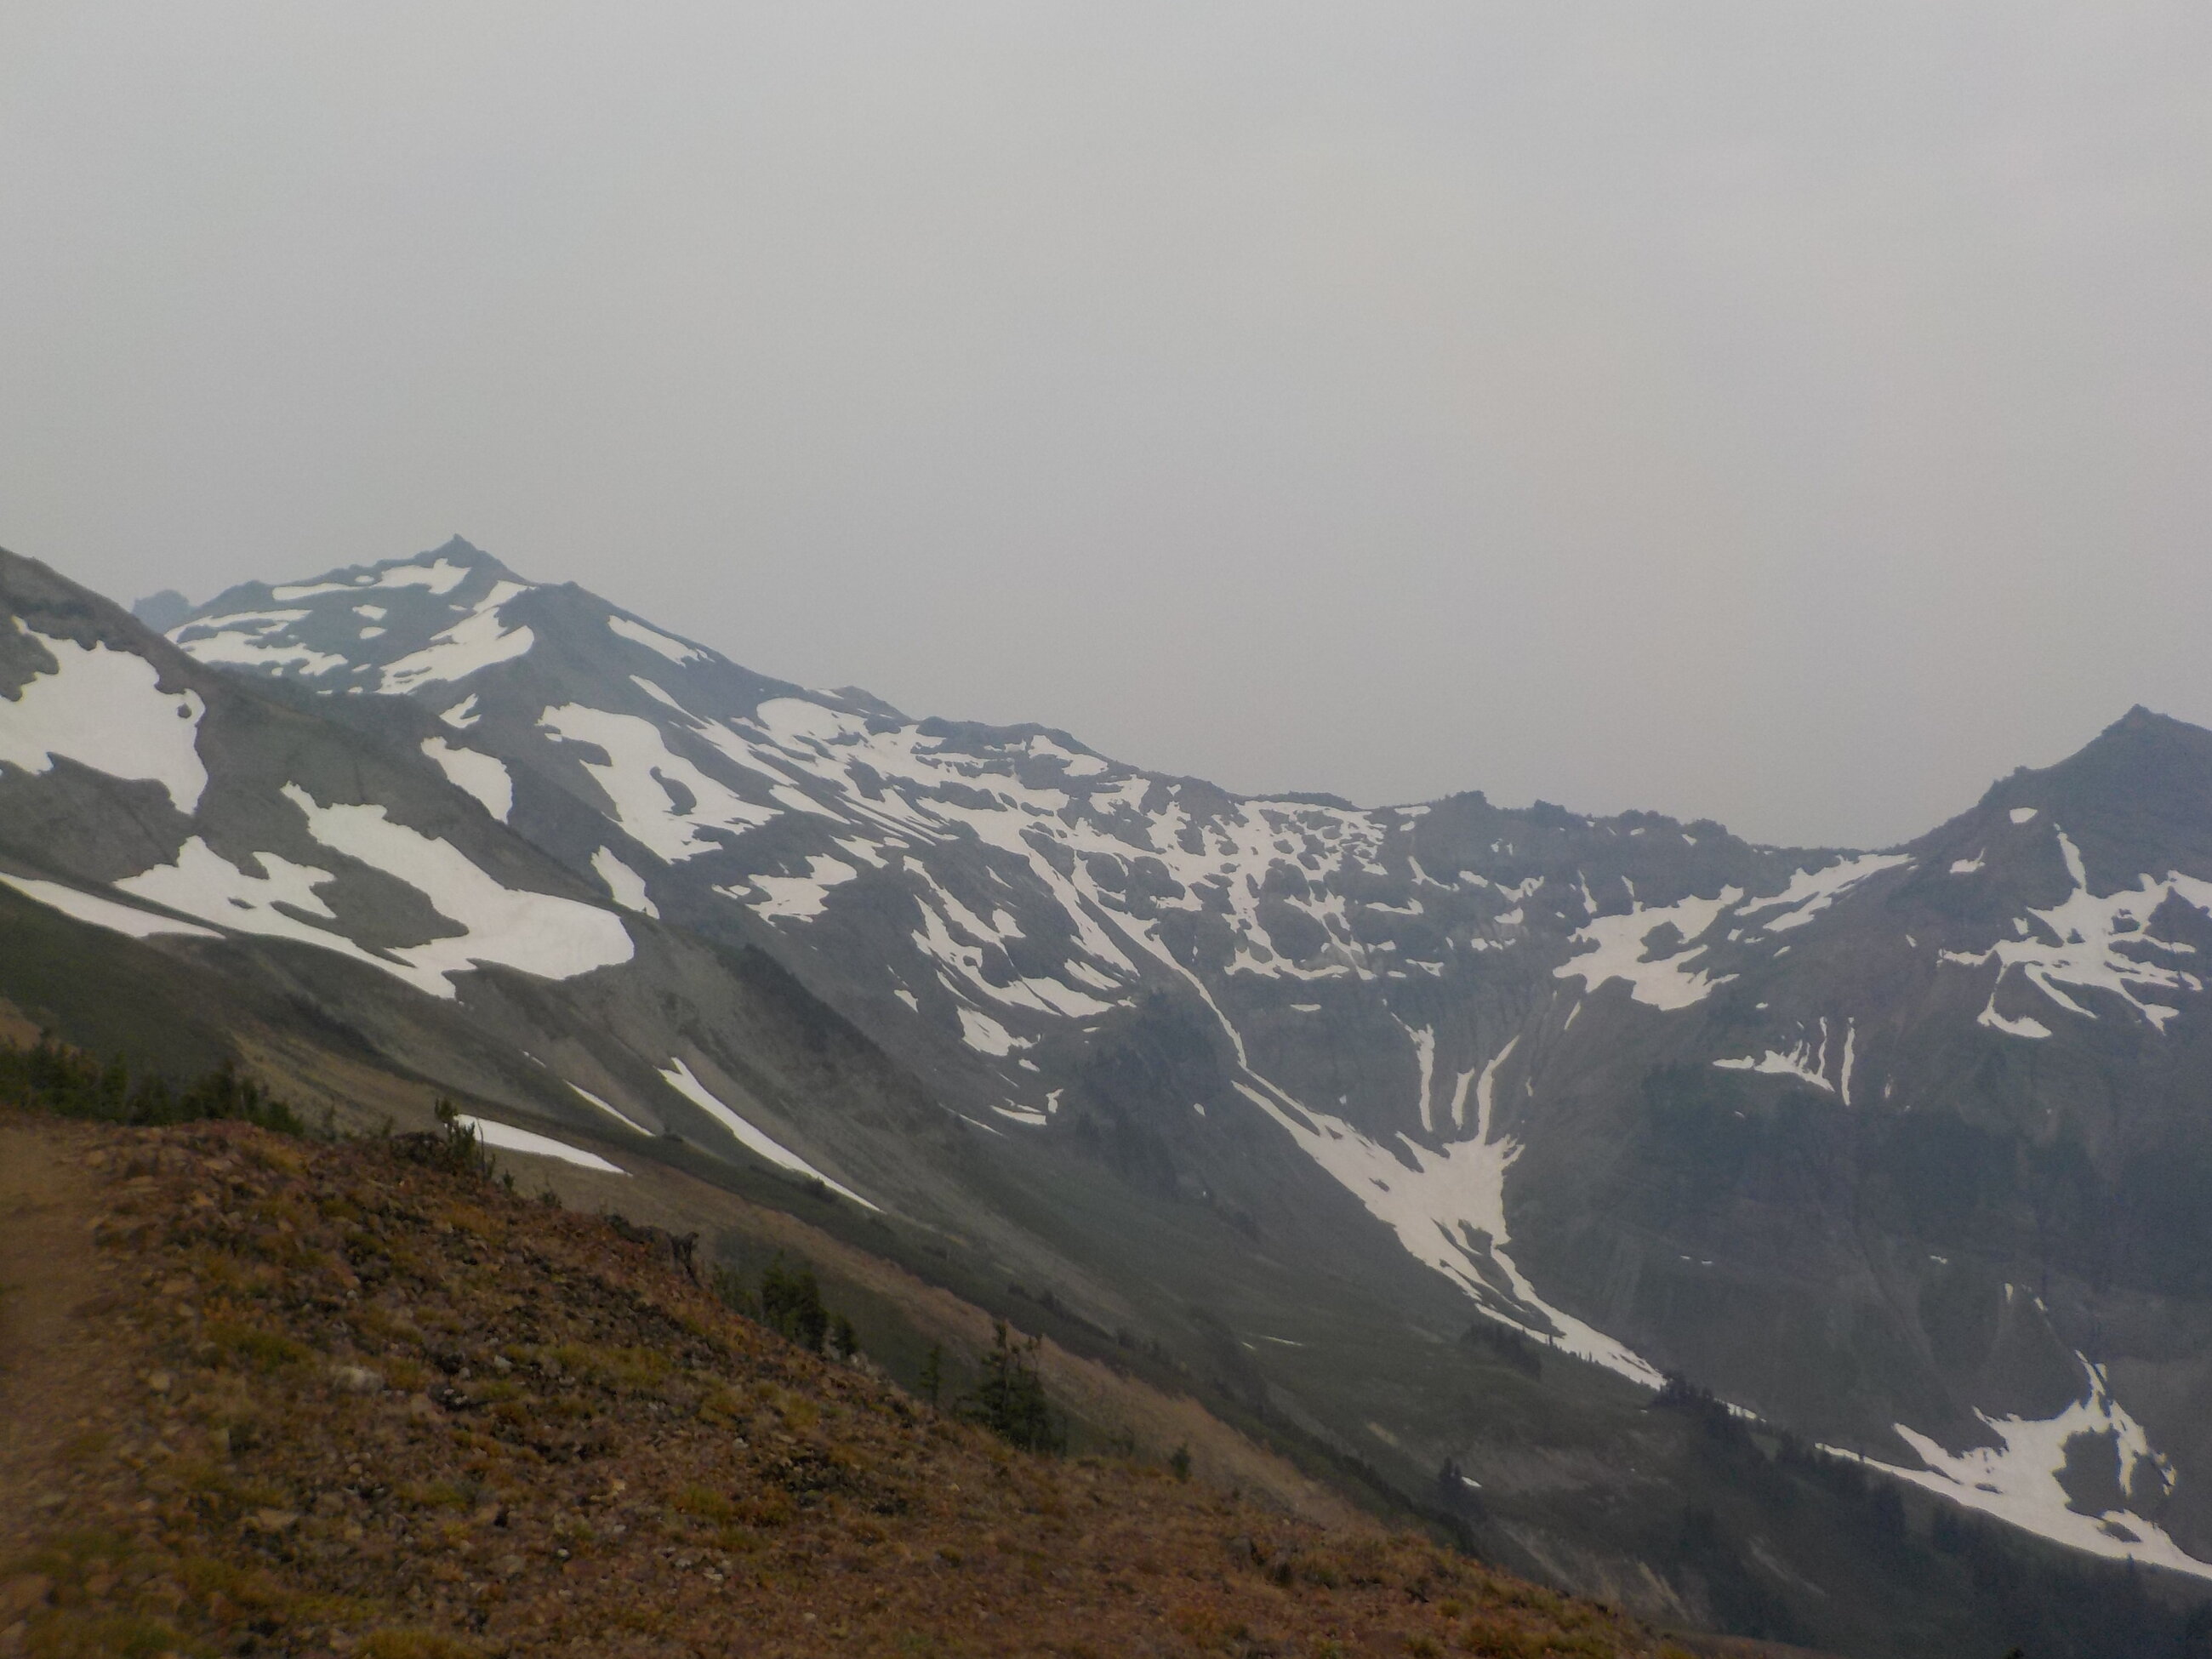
x,y
2095,942
538,932
2017,1479
105,709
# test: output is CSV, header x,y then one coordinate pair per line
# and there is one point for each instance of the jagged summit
x,y
432,570
2134,801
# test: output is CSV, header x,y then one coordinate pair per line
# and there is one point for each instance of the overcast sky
x,y
1792,414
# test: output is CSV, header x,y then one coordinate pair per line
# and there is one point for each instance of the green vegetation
x,y
50,1077
790,1304
456,1147
1010,1399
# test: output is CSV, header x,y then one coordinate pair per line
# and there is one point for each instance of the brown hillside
x,y
265,1396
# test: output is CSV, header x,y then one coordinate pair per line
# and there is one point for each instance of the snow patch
x,y
620,1117
627,886
1811,891
2017,1479
1621,941
470,646
105,709
2085,941
1802,1060
986,1035
441,578
537,932
799,898
241,639
200,881
638,759
508,1138
1448,1208
482,775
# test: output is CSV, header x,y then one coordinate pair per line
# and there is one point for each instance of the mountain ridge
x,y
1325,1104
1362,934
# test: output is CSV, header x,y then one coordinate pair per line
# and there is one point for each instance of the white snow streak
x,y
1804,1060
653,639
102,912
1448,1209
441,578
638,758
1811,891
508,1138
622,1118
756,1139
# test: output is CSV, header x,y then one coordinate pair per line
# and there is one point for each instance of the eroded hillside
x,y
265,1396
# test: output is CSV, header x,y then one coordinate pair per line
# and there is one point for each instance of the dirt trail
x,y
51,1380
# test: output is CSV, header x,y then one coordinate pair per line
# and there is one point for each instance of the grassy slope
x,y
321,1400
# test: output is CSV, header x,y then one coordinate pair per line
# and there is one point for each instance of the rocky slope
x,y
336,1402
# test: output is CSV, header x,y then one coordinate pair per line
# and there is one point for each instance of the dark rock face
x,y
1907,1152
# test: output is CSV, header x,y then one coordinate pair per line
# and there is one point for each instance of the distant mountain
x,y
163,611
1413,1138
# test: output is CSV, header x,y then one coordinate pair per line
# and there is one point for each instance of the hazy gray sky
x,y
1793,414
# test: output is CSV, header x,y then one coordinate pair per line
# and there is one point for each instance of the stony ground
x,y
269,1397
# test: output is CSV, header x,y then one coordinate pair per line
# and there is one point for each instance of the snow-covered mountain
x,y
1661,1097
321,869
1905,1150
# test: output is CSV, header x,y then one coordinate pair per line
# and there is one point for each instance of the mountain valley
x,y
1420,1145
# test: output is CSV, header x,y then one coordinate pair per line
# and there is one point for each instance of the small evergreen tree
x,y
463,1150
51,1076
790,1304
844,1340
932,1373
1010,1400
730,1286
